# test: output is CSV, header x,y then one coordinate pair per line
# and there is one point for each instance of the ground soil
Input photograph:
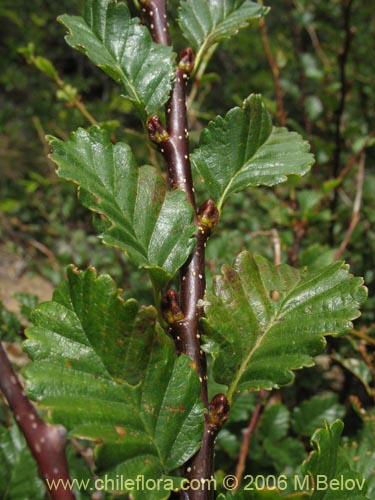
x,y
15,277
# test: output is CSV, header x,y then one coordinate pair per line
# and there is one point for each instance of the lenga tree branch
x,y
183,311
47,443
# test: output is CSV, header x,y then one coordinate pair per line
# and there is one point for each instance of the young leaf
x,y
264,321
333,478
116,380
18,473
154,226
204,23
243,149
124,49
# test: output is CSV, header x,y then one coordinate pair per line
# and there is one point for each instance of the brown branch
x,y
356,208
154,14
275,69
247,435
183,311
342,61
46,442
297,46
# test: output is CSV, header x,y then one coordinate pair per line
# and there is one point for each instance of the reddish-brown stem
x,y
297,46
247,435
356,209
47,443
342,59
275,72
182,311
201,466
154,14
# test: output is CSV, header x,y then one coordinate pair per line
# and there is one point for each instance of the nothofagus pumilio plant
x,y
133,379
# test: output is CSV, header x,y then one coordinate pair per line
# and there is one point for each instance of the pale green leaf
x,y
263,321
331,478
124,49
107,372
153,226
205,22
243,149
18,472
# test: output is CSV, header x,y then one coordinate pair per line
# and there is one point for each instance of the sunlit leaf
x,y
243,149
153,226
205,22
264,321
124,49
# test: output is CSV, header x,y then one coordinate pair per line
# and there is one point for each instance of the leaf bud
x,y
170,307
218,410
208,214
156,131
186,60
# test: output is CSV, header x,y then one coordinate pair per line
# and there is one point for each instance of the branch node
x,y
156,130
170,307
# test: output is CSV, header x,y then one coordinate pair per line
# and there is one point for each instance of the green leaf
x,y
124,49
153,226
274,423
359,369
333,478
263,321
107,372
243,149
360,451
18,472
204,23
312,413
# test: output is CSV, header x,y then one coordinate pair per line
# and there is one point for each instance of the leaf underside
x,y
264,321
243,149
124,49
153,226
107,372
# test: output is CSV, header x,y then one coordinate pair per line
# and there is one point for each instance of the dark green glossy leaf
x,y
124,49
243,149
205,22
333,478
154,226
89,349
18,472
263,321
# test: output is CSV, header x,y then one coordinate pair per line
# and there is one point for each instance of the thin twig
x,y
47,443
275,69
363,336
247,435
297,46
343,59
356,208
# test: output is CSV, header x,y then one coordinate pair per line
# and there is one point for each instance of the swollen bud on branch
x,y
170,307
208,215
156,131
218,411
186,60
